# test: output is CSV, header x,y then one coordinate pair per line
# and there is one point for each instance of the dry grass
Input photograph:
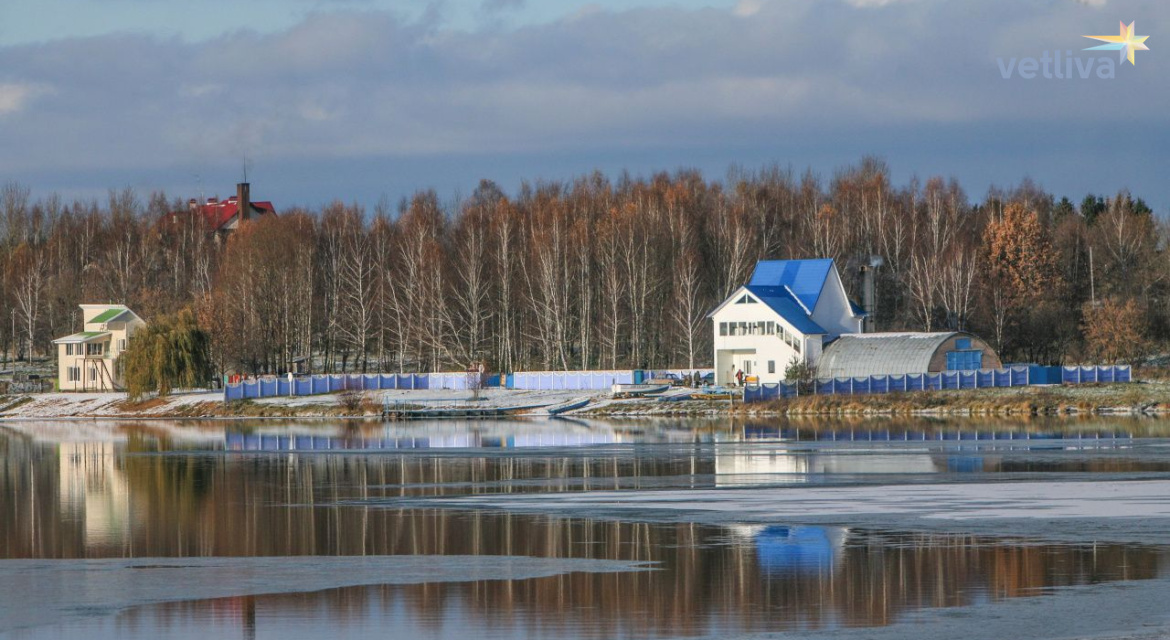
x,y
132,406
1019,401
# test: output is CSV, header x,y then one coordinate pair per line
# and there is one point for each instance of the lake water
x,y
310,529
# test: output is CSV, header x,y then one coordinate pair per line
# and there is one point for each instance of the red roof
x,y
218,213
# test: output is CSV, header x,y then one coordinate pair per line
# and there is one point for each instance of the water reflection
x,y
155,492
723,580
149,495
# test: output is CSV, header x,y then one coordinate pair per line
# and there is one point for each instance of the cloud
x,y
15,97
496,6
747,8
345,86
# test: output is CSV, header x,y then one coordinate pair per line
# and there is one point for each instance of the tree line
x,y
591,272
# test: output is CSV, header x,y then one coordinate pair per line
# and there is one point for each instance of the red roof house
x,y
225,215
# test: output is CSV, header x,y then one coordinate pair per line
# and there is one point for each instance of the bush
x,y
352,401
801,374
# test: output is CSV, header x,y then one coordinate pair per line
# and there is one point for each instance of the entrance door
x,y
743,362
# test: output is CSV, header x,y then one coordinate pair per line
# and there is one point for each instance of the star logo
x,y
1125,43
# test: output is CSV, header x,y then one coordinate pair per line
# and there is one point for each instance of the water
x,y
340,530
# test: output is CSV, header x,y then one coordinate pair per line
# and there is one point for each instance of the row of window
x,y
760,329
91,348
74,374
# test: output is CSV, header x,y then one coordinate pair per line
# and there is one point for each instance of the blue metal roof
x,y
806,278
779,300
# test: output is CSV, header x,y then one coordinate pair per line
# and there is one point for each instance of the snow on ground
x,y
75,405
109,405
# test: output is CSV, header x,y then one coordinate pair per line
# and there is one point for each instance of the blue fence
x,y
1011,377
1079,375
315,385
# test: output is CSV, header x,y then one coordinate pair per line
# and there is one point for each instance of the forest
x,y
591,273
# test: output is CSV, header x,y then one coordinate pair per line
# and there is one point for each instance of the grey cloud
x,y
355,84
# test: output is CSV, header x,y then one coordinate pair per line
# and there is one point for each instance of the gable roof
x,y
782,301
805,279
218,213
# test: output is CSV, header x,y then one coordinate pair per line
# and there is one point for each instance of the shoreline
x,y
1140,399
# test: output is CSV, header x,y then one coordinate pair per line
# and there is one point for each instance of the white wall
x,y
759,349
833,311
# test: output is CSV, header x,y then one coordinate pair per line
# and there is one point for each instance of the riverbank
x,y
210,404
1148,398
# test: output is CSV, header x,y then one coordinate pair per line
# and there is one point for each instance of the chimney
x,y
869,292
244,200
193,205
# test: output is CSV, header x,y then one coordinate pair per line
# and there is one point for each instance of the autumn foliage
x,y
587,273
1115,332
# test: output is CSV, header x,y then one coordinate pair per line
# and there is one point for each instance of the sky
x,y
363,99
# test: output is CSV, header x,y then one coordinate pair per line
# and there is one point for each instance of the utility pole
x,y
1092,284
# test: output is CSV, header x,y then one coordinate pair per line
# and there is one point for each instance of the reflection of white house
x,y
788,310
85,361
755,466
94,491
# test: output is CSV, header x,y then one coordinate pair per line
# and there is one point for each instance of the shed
x,y
879,354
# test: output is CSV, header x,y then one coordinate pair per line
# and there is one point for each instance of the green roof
x,y
108,314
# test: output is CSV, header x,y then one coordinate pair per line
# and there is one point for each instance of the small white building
x,y
86,360
788,309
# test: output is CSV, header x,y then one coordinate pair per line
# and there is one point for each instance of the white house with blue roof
x,y
788,309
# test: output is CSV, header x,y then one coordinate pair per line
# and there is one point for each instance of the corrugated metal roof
x,y
781,301
876,354
806,278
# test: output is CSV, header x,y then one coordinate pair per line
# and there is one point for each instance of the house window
x,y
743,329
771,366
963,344
122,344
722,328
771,328
69,349
747,367
796,345
92,374
746,299
73,373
